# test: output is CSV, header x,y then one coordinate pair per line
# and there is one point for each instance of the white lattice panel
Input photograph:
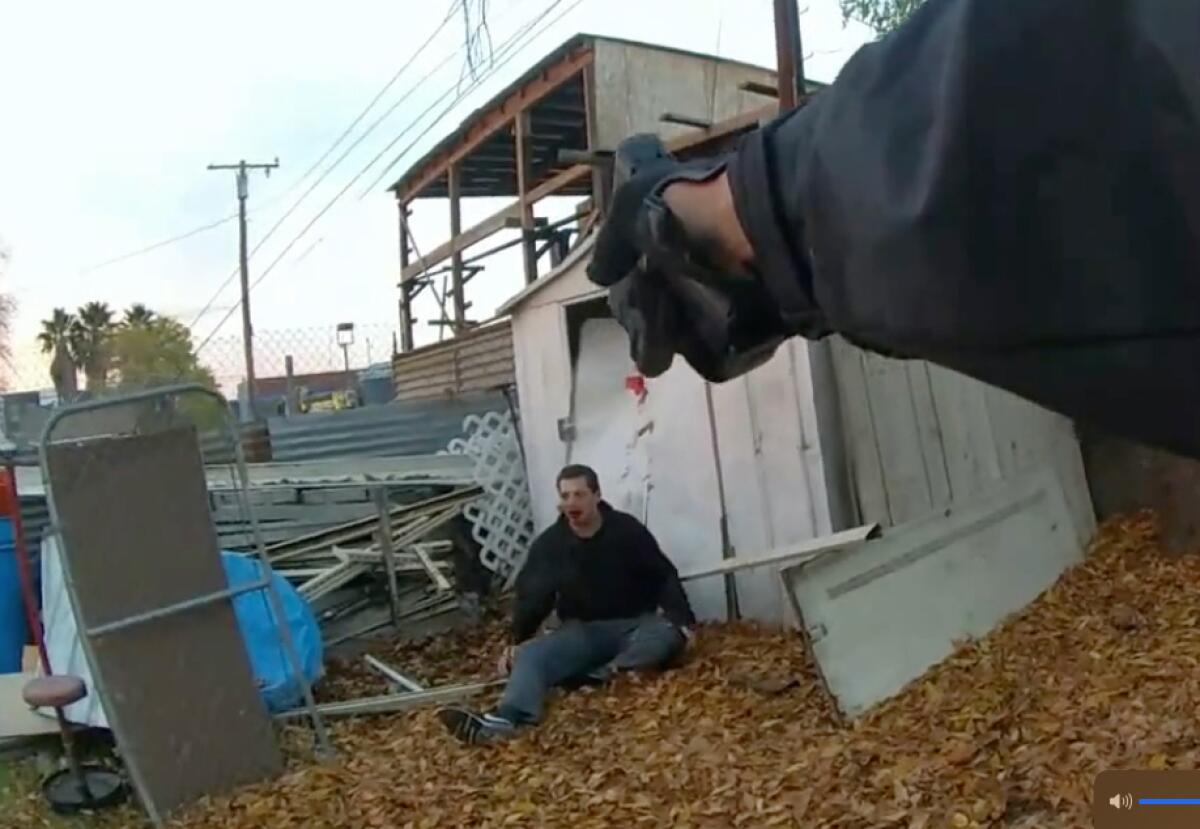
x,y
501,521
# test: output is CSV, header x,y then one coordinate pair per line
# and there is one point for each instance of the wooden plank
x,y
439,580
470,344
16,718
362,528
635,84
602,179
453,376
929,432
898,437
793,554
737,123
445,364
499,220
490,226
456,259
558,181
299,513
859,430
524,179
492,121
972,463
406,320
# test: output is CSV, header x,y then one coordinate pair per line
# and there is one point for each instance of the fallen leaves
x,y
1100,672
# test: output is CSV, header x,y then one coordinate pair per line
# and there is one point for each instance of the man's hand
x,y
504,663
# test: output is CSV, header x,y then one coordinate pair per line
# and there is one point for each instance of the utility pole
x,y
243,192
789,54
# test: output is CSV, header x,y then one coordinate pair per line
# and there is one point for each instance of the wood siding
x,y
479,360
921,437
627,102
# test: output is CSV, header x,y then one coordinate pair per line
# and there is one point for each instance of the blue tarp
x,y
281,690
13,628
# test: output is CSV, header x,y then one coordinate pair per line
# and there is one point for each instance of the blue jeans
x,y
579,648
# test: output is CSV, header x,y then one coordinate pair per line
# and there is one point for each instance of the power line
x,y
196,231
504,48
507,47
296,204
315,165
164,243
387,86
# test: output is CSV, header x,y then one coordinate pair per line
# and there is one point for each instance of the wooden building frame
x,y
540,137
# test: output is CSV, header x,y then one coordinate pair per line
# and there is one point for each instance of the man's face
x,y
577,501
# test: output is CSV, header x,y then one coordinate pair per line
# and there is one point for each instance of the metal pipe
x,y
324,745
394,675
732,606
398,702
179,607
386,550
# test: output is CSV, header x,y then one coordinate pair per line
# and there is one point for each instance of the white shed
x,y
778,456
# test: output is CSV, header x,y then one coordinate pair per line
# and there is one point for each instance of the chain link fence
x,y
313,351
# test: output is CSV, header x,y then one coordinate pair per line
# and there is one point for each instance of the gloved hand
x,y
664,288
641,301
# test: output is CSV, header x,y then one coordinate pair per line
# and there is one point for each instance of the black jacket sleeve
x,y
671,597
536,591
1008,188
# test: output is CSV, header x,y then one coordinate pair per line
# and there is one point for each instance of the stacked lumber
x,y
392,547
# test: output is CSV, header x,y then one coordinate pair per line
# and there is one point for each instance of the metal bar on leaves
x,y
394,675
395,703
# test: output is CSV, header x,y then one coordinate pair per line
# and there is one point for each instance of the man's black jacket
x,y
617,573
1010,188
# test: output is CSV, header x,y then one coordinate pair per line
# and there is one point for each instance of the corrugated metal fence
x,y
409,427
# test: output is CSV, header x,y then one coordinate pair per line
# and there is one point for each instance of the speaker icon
x,y
1121,801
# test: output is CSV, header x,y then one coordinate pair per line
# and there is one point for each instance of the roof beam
x,y
504,218
493,121
499,221
525,204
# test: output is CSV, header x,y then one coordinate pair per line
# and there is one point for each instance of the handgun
x,y
673,302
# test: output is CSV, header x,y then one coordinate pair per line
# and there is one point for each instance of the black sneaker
x,y
473,728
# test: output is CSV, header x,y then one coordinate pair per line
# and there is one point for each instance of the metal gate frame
x,y
265,584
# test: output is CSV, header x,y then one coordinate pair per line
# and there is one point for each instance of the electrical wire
x,y
479,39
164,243
496,67
506,48
296,204
387,86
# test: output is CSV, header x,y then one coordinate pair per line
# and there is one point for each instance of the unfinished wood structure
x,y
478,360
540,138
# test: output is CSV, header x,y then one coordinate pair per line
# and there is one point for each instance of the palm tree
x,y
91,333
57,338
138,315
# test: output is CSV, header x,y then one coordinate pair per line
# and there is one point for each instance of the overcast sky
x,y
111,112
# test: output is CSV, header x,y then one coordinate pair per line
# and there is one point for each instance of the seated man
x,y
606,576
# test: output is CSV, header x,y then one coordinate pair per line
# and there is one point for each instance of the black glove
x,y
664,290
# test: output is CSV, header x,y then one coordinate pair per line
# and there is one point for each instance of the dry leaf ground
x,y
1100,672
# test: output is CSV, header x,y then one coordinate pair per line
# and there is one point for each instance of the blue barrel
x,y
14,631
